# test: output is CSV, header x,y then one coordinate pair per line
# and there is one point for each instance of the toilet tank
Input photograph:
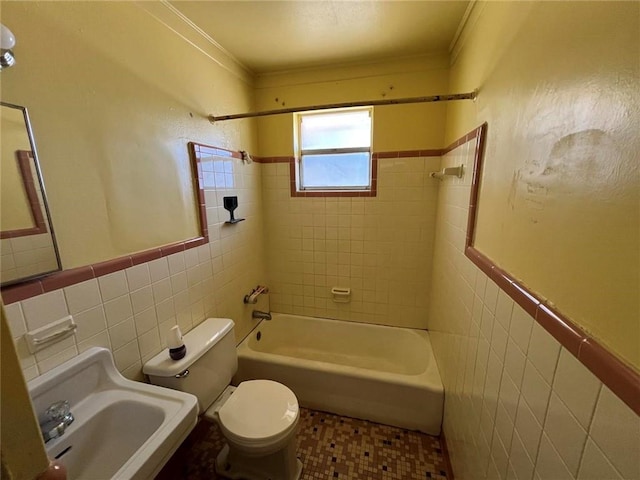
x,y
206,369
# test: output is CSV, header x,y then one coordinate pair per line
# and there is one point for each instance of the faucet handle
x,y
58,411
58,418
252,298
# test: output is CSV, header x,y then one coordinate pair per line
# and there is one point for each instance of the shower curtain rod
x,y
370,103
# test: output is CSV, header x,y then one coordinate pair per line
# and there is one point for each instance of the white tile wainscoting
x,y
518,405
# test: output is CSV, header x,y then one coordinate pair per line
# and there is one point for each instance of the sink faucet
x,y
258,315
59,417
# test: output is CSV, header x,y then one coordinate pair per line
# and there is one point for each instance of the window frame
x,y
300,153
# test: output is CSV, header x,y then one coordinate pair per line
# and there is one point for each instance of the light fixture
x,y
7,42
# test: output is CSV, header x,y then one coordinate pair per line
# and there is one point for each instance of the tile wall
x,y
26,256
518,404
23,255
379,247
130,311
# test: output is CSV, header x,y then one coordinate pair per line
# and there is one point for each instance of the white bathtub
x,y
383,374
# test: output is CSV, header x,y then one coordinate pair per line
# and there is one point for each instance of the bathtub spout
x,y
257,314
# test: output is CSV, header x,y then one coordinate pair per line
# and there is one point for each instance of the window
x,y
334,149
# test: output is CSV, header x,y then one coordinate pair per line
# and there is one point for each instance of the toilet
x,y
258,418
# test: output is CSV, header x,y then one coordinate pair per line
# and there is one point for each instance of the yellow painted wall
x,y
402,127
114,96
15,212
560,196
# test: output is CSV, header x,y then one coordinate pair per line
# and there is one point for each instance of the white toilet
x,y
258,418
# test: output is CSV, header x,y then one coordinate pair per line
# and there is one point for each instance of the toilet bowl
x,y
258,421
258,418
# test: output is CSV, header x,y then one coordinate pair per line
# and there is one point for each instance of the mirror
x,y
27,242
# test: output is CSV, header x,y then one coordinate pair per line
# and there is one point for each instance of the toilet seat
x,y
260,414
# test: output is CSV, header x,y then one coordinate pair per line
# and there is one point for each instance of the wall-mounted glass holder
x,y
230,204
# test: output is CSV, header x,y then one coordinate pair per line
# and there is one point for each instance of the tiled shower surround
x,y
380,247
518,405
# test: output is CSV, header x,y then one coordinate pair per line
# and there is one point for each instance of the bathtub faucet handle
x,y
252,298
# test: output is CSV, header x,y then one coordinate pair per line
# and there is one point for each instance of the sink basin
x,y
122,429
136,422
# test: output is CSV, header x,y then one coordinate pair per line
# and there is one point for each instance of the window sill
x,y
333,193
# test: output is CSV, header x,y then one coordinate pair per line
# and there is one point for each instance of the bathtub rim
x,y
429,378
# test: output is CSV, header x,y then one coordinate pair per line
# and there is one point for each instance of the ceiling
x,y
270,36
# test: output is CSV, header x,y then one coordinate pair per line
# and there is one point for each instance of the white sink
x,y
122,429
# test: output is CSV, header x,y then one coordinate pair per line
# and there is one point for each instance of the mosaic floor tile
x,y
330,446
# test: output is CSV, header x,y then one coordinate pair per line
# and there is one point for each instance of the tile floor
x,y
330,447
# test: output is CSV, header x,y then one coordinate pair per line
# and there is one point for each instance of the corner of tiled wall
x,y
130,311
518,405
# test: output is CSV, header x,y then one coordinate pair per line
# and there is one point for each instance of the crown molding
x,y
183,27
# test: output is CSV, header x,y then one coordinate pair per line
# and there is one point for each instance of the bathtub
x,y
383,374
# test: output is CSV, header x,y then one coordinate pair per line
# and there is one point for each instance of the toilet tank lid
x,y
198,342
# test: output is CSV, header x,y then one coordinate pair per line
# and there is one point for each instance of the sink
x,y
136,422
122,429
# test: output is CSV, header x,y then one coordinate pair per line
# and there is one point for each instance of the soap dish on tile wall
x,y
230,204
341,294
44,336
449,171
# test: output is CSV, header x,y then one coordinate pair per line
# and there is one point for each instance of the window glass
x,y
338,170
347,129
335,150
